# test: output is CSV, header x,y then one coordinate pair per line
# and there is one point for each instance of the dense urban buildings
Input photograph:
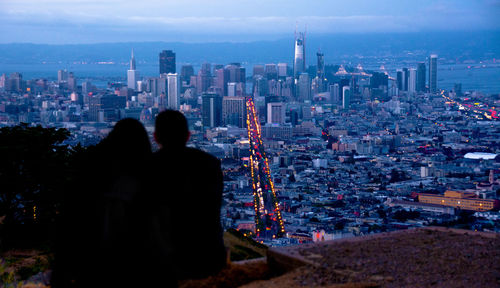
x,y
337,149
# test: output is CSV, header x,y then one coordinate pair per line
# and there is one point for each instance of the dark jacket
x,y
186,197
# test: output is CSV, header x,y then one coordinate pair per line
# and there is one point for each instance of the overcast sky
x,y
92,21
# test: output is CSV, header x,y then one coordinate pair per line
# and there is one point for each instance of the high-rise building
x,y
234,111
346,97
71,81
186,72
335,93
174,91
204,78
299,63
433,73
412,80
62,76
321,65
271,71
421,77
211,110
282,69
258,70
105,108
400,79
275,113
236,73
167,62
221,80
304,87
405,79
132,74
15,82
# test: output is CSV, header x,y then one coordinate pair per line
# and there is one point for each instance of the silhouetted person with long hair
x,y
102,237
187,198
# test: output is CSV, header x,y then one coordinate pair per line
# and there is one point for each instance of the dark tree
x,y
34,172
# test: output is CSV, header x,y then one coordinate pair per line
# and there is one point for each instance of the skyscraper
x,y
335,93
321,65
304,87
421,77
405,79
186,72
62,76
174,91
132,74
271,71
412,80
433,73
275,113
400,79
299,63
211,110
167,62
346,97
234,111
282,69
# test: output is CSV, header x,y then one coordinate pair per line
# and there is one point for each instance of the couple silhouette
x,y
134,218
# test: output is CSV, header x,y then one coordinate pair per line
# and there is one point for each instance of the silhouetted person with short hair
x,y
102,236
187,198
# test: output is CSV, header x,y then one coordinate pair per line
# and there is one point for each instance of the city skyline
x,y
57,22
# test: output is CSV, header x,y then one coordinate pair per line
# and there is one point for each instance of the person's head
x,y
171,129
128,139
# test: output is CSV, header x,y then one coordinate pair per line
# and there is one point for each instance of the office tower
x,y
174,91
346,97
217,67
62,76
186,72
86,88
335,93
260,86
378,80
105,108
282,69
433,73
405,79
412,80
231,89
206,68
236,73
234,111
211,110
258,70
304,87
399,79
15,82
271,71
71,81
132,74
321,65
221,80
167,62
299,63
204,78
275,113
421,77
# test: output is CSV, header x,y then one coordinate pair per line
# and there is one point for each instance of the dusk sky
x,y
81,21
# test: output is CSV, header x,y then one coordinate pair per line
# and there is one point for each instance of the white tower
x,y
132,74
174,91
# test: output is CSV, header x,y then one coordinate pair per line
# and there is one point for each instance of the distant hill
x,y
453,45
